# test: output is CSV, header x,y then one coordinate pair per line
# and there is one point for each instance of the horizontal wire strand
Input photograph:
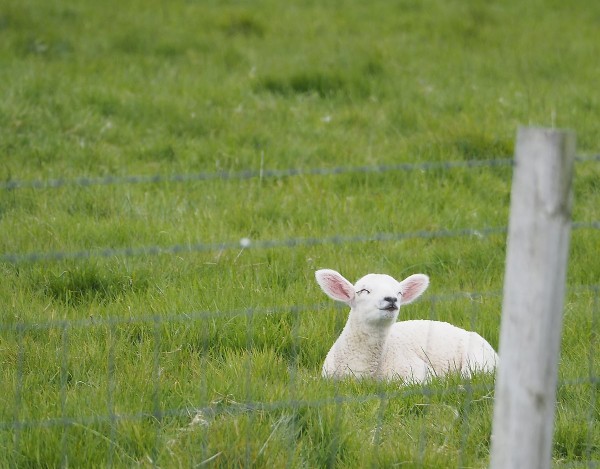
x,y
56,183
246,243
186,317
246,174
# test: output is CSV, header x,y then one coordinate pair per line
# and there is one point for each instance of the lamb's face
x,y
377,299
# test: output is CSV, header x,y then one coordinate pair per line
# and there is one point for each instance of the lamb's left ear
x,y
412,287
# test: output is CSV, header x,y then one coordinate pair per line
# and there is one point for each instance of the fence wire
x,y
249,174
13,184
247,243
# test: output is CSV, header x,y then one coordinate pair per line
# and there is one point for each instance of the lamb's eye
x,y
364,290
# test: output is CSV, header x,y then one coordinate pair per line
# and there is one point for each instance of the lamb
x,y
372,344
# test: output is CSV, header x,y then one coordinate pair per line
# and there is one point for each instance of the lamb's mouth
x,y
390,307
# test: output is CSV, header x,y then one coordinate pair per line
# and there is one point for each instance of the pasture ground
x,y
212,357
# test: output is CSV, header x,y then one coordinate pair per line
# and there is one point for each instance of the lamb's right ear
x,y
334,285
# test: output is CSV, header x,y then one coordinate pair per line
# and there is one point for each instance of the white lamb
x,y
373,344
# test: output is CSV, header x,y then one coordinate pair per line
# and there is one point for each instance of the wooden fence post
x,y
534,289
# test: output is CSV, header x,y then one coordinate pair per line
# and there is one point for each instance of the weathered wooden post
x,y
534,289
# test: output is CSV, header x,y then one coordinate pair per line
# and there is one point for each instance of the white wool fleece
x,y
373,344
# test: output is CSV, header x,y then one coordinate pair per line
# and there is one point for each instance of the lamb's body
x,y
433,347
373,344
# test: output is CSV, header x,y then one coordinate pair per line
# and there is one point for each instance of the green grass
x,y
214,357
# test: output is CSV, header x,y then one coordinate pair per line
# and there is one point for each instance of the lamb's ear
x,y
412,287
334,285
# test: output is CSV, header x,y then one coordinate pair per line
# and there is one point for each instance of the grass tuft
x,y
89,283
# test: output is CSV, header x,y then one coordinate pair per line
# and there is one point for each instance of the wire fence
x,y
19,423
210,411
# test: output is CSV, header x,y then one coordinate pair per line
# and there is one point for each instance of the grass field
x,y
212,357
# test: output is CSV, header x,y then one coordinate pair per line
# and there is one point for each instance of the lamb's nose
x,y
391,299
